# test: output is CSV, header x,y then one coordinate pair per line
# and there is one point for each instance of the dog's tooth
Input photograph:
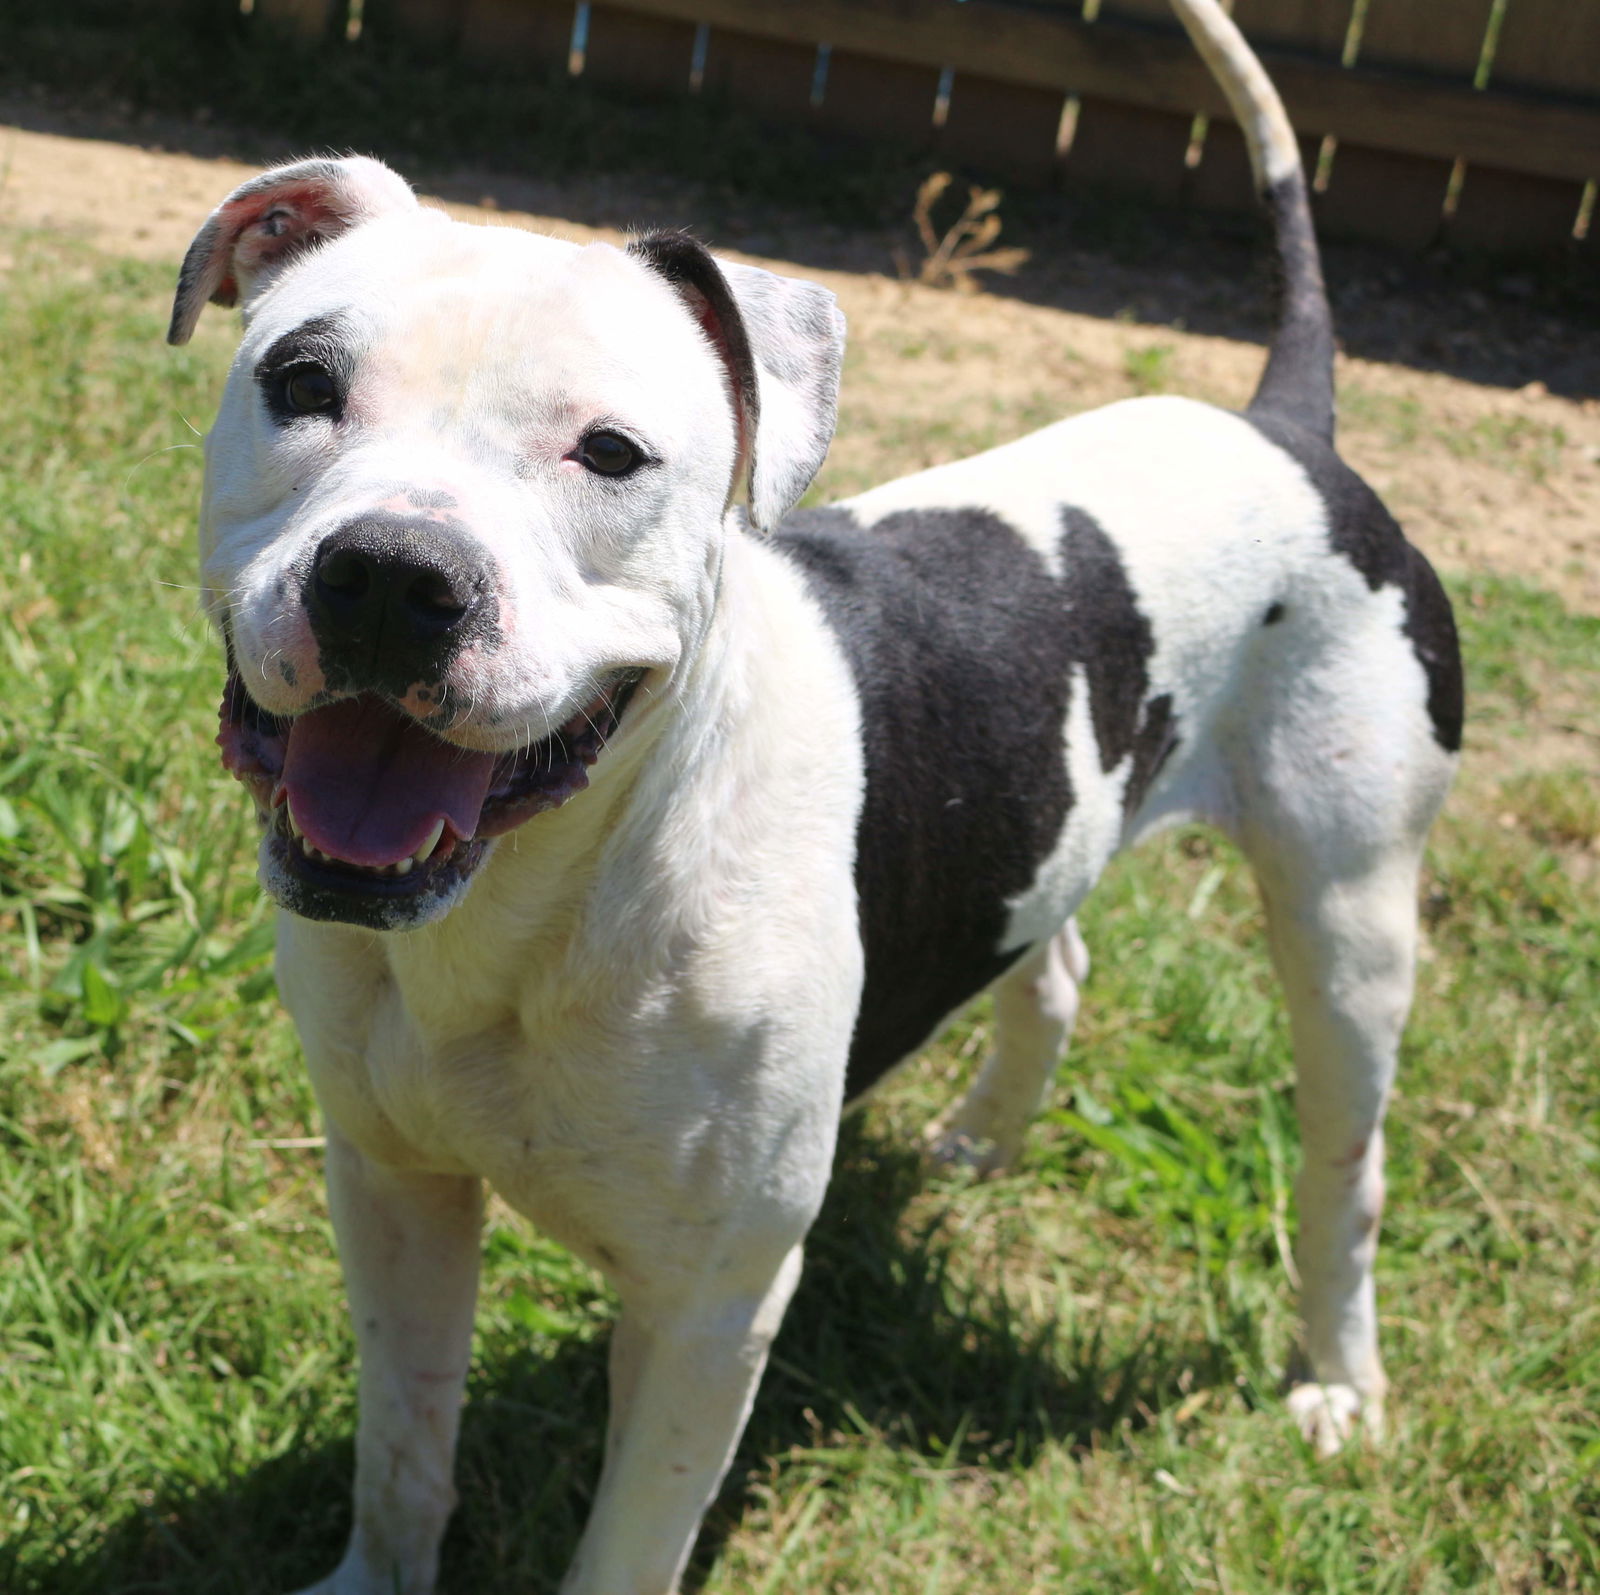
x,y
294,824
402,868
425,852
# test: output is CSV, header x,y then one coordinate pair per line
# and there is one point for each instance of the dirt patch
x,y
1485,478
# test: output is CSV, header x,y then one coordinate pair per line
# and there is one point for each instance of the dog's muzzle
x,y
374,820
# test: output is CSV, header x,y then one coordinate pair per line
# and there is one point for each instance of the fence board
x,y
1550,44
1124,145
1003,128
1541,45
1159,70
1314,27
1400,196
652,53
433,25
1130,147
1508,213
1127,147
771,76
1403,116
531,33
867,96
310,20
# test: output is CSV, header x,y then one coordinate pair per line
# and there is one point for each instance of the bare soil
x,y
1496,474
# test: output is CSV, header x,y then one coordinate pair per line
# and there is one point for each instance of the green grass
x,y
1149,369
1526,447
1519,445
1068,1380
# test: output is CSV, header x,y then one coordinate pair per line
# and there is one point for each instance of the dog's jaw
x,y
350,882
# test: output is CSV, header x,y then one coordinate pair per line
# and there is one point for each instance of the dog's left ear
x,y
782,341
274,219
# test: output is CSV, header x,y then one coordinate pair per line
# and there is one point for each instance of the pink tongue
x,y
367,784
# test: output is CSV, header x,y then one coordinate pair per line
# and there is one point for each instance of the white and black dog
x,y
621,843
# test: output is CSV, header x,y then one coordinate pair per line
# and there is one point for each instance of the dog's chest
x,y
567,1127
628,1113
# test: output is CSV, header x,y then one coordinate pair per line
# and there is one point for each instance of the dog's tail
x,y
1298,381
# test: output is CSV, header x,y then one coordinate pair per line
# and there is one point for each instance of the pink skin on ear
x,y
271,219
269,229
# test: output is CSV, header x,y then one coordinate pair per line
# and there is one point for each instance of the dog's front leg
x,y
683,1377
409,1247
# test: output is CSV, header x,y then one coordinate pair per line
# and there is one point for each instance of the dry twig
x,y
964,248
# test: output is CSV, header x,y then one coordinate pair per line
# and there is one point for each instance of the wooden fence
x,y
1476,122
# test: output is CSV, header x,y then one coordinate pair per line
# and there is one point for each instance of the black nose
x,y
392,600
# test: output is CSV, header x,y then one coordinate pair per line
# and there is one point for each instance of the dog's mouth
x,y
362,803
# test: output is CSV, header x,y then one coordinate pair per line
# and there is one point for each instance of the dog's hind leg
x,y
1344,949
1337,857
1035,1005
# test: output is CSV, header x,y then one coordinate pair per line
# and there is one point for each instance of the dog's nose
x,y
391,600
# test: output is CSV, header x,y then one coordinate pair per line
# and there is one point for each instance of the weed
x,y
1398,420
1520,444
1150,369
953,257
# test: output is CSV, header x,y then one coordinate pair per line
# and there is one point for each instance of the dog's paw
x,y
345,1581
1329,1414
953,1149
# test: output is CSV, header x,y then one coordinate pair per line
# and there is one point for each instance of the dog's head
x,y
465,506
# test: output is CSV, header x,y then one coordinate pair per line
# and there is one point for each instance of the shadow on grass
x,y
880,1340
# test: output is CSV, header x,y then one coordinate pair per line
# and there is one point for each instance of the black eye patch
x,y
307,372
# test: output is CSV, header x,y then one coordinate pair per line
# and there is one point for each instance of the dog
x,y
624,836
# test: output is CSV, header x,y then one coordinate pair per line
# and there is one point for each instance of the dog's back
x,y
1052,642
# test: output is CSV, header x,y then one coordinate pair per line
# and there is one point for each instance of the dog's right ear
x,y
273,219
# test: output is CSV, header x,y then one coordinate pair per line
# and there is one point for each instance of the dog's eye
x,y
309,390
608,454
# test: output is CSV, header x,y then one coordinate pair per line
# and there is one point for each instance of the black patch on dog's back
x,y
1108,634
1364,532
962,644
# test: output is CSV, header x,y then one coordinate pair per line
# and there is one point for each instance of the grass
x,y
1149,370
1064,1381
1519,445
